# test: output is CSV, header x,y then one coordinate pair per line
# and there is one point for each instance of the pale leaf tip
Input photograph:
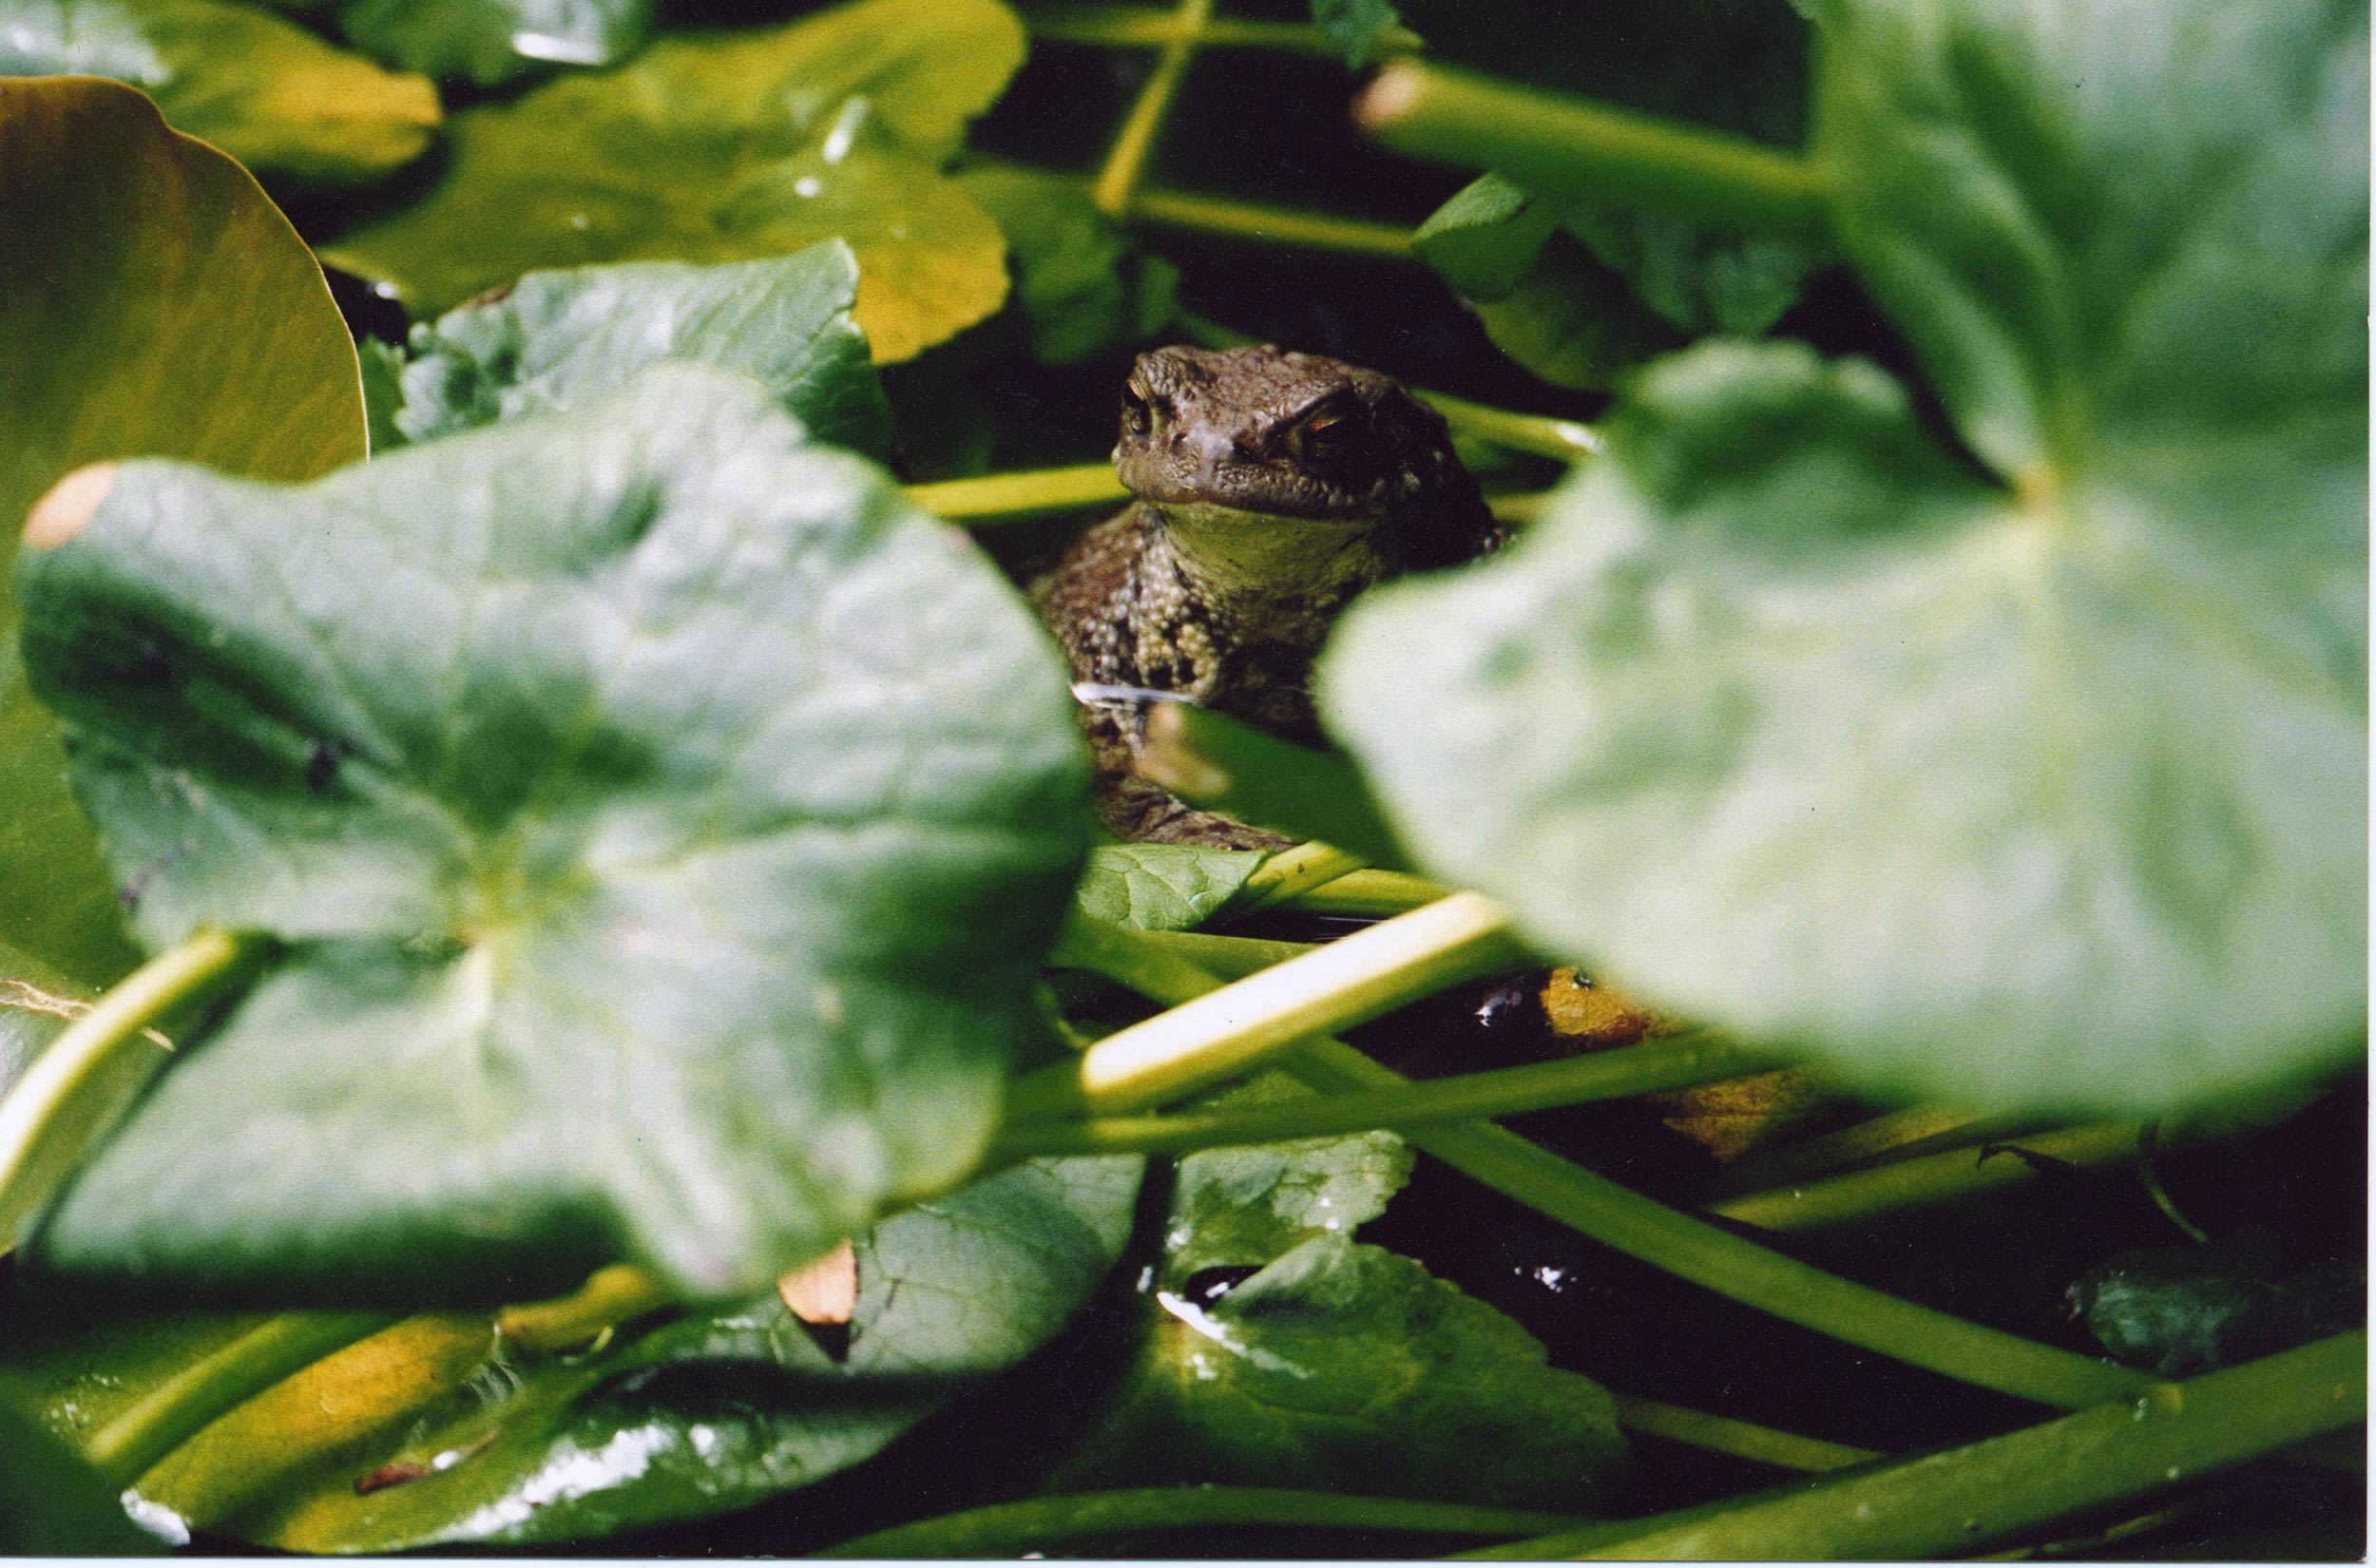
x,y
69,505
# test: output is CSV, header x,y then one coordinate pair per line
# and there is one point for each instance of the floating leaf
x,y
159,306
1161,887
487,41
2044,784
664,818
559,338
426,1434
270,94
725,147
1277,1351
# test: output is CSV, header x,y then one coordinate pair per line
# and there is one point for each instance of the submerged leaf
x,y
557,339
159,305
270,94
728,146
663,817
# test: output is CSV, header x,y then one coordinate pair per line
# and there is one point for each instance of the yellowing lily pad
x,y
727,148
161,307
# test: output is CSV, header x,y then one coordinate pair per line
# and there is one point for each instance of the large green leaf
x,y
727,146
1279,1351
671,1418
2040,785
156,303
559,338
270,94
54,1506
665,820
487,41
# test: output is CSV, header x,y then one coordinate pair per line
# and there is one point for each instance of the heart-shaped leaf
x,y
664,819
2042,784
156,304
271,94
559,338
728,146
431,1432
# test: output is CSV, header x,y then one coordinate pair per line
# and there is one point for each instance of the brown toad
x,y
1271,487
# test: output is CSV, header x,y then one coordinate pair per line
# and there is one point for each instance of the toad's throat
x,y
1232,554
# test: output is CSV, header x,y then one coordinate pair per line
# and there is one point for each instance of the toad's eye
x,y
1137,417
1334,444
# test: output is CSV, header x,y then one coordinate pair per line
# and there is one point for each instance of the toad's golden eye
x,y
1333,443
1137,417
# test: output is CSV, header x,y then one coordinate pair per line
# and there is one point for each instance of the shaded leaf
x,y
270,94
55,1505
724,147
1081,287
664,818
1352,26
1571,321
556,339
1246,1205
161,306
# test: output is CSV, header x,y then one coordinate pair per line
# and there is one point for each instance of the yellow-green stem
x,y
1117,185
1008,497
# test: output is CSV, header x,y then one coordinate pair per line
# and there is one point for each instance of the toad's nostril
x,y
1209,448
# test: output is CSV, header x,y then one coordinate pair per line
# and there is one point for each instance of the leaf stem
x,y
1741,1439
610,1296
1009,497
1130,27
78,1088
1200,1041
1731,1266
1117,184
1929,1180
1587,151
1223,764
1510,1091
1008,1529
182,1406
1291,873
1369,894
1955,1503
1232,218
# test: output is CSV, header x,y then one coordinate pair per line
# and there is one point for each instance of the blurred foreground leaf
x,y
725,147
664,820
487,42
154,303
2042,784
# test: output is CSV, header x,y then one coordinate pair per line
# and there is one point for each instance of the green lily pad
x,y
159,306
487,42
725,147
272,95
1161,887
2040,785
457,1440
1279,1351
559,338
664,820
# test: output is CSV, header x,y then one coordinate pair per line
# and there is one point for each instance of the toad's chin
x,y
1235,551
